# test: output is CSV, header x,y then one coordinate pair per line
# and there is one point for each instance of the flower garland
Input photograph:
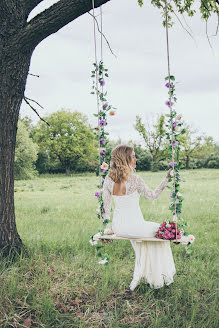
x,y
175,229
101,73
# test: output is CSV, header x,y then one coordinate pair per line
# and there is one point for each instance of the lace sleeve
x,y
107,198
145,191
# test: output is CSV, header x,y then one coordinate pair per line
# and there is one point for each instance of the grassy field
x,y
58,283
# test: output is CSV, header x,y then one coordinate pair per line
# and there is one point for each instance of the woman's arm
x,y
107,198
145,191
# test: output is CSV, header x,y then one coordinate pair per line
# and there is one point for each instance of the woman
x,y
154,260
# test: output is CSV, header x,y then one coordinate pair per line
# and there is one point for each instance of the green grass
x,y
58,283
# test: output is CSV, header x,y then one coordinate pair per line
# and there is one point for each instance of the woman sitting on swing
x,y
154,260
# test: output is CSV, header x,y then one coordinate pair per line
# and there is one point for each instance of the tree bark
x,y
187,161
18,39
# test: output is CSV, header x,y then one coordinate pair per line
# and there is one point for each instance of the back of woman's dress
x,y
154,260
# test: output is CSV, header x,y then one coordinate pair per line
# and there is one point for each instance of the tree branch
x,y
31,4
25,99
53,19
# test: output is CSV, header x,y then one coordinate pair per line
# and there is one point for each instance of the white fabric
x,y
154,260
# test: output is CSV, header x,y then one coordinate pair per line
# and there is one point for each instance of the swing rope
x,y
170,104
98,108
97,92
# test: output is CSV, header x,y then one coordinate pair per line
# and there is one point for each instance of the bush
x,y
212,164
25,154
212,161
163,165
144,161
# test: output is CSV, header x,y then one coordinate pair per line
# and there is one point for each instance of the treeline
x,y
67,144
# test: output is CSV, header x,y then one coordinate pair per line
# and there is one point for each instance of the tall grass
x,y
58,283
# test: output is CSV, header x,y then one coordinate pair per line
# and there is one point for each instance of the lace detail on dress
x,y
107,197
133,183
145,191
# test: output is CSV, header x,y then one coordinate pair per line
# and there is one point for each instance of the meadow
x,y
57,282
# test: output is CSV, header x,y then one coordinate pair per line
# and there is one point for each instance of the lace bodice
x,y
133,183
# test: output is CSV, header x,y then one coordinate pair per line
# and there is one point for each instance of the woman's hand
x,y
168,173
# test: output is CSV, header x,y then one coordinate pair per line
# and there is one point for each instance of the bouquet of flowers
x,y
167,231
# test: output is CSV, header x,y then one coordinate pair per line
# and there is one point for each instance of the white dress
x,y
154,260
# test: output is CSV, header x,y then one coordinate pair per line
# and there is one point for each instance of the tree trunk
x,y
187,161
18,39
67,171
14,69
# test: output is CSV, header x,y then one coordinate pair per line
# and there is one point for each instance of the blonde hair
x,y
120,164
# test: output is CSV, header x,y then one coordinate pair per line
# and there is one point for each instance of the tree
x,y
67,139
25,154
18,39
153,136
190,143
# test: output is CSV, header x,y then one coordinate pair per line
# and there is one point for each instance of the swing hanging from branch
x,y
169,230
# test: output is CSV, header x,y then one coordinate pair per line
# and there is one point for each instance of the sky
x,y
136,75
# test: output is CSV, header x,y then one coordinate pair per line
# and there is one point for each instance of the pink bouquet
x,y
167,231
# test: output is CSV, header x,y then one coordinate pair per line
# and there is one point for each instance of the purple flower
x,y
103,171
172,163
168,103
171,195
175,124
169,85
102,153
175,143
102,140
97,194
102,82
102,122
105,105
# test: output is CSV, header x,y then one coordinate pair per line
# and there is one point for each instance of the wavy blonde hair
x,y
120,164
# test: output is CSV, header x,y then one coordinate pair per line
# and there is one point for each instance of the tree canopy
x,y
67,139
25,154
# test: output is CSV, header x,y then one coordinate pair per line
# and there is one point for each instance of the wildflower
x,y
171,195
169,85
191,239
175,124
102,153
172,163
104,166
102,82
169,103
102,122
102,140
93,242
103,261
112,112
97,194
105,105
175,143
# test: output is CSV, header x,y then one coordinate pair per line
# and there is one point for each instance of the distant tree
x,y
143,157
153,137
68,139
25,154
190,143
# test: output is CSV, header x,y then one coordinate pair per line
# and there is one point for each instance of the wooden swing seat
x,y
115,237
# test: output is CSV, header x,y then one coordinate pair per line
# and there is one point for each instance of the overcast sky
x,y
136,84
